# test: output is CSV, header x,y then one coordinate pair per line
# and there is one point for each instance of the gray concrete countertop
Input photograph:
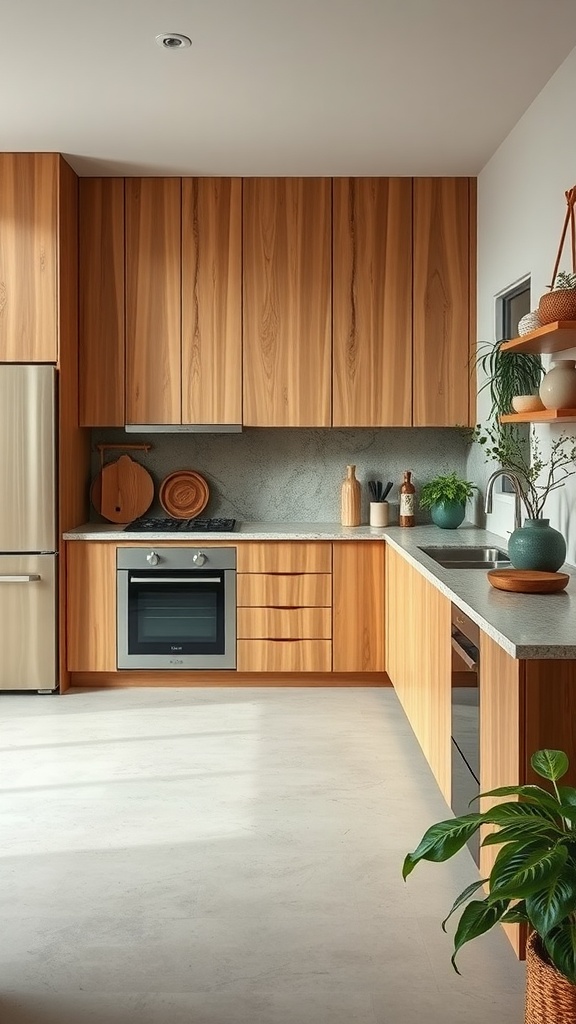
x,y
245,531
525,625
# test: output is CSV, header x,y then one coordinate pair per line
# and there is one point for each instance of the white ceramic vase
x,y
558,387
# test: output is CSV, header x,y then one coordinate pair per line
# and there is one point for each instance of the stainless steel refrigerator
x,y
28,548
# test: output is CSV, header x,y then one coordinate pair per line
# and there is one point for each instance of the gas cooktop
x,y
168,525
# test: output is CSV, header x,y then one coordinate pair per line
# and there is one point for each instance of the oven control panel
x,y
176,558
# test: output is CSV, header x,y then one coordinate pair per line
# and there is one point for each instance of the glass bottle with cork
x,y
407,501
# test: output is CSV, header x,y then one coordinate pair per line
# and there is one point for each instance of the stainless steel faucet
x,y
514,480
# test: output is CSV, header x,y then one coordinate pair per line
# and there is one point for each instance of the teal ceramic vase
x,y
448,514
536,545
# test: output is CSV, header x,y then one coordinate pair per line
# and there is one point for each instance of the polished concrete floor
x,y
228,856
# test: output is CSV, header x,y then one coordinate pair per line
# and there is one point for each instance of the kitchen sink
x,y
479,557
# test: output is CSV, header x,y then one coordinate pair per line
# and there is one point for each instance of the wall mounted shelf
x,y
555,337
542,416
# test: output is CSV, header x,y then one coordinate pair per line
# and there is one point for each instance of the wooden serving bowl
x,y
184,494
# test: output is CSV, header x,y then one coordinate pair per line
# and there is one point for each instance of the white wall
x,y
521,209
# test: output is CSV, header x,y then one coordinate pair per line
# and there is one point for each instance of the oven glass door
x,y
176,612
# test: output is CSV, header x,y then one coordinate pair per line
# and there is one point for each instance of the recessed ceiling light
x,y
173,41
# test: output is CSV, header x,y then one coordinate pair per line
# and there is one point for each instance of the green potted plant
x,y
560,302
533,880
508,375
446,497
536,544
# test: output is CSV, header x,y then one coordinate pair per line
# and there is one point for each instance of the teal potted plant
x,y
446,497
535,545
533,880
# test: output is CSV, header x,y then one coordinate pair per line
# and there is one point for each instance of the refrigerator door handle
x,y
26,578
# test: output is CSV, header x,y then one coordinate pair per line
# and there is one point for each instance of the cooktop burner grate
x,y
168,525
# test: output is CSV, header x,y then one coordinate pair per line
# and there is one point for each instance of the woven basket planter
x,y
559,304
550,997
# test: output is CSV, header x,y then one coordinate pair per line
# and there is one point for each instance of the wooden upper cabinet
x,y
101,276
29,257
287,302
211,300
442,289
372,302
153,287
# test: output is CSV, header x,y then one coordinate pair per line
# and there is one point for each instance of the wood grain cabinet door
x,y
211,300
29,257
442,290
287,302
372,302
91,607
358,606
153,291
101,287
418,660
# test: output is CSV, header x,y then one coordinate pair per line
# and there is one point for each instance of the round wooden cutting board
x,y
526,581
184,494
122,491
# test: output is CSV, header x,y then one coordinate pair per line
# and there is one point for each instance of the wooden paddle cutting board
x,y
123,490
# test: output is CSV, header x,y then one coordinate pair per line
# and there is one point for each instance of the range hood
x,y
183,428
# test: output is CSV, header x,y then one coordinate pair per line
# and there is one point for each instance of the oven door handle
x,y
469,661
174,579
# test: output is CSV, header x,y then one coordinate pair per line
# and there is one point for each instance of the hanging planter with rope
x,y
560,302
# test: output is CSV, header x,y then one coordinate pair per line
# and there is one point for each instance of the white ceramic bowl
x,y
527,403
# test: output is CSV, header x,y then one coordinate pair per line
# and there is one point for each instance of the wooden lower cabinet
x,y
358,606
91,621
290,556
284,623
295,615
418,660
284,607
284,655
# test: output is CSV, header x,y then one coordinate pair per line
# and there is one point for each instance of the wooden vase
x,y
350,498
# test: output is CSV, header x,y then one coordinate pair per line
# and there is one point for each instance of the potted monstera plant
x,y
533,880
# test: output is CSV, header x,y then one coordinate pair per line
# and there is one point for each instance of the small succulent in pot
x,y
446,497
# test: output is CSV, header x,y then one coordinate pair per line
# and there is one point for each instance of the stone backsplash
x,y
294,474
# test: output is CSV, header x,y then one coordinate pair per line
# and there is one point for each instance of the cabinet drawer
x,y
295,590
289,556
284,623
284,655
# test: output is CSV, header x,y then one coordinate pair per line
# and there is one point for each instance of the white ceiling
x,y
311,87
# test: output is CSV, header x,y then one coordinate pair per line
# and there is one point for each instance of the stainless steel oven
x,y
176,608
465,718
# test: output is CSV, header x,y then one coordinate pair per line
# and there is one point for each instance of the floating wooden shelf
x,y
555,337
541,416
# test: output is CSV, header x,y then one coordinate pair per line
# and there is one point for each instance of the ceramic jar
x,y
558,387
379,513
537,546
